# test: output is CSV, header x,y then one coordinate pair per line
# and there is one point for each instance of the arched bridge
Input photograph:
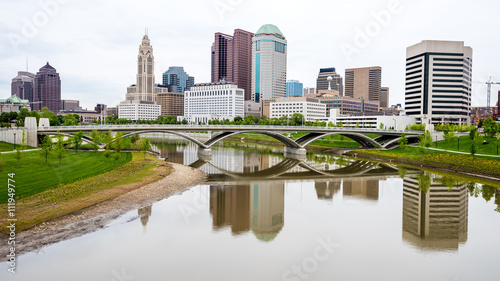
x,y
386,137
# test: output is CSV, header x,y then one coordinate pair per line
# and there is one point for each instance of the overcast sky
x,y
94,44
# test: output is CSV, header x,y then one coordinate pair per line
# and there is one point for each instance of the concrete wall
x,y
15,135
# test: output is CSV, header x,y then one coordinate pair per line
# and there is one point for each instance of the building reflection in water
x,y
361,188
326,189
259,207
436,219
144,213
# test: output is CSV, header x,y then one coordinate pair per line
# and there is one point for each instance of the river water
x,y
261,216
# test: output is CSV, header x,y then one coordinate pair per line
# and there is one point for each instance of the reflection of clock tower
x,y
144,90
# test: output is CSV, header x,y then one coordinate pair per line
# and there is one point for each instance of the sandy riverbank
x,y
98,216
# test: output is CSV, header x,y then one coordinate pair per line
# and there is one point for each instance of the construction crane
x,y
489,83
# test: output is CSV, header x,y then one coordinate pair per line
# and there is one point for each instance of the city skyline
x,y
74,46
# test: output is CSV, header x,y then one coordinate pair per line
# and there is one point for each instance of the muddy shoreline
x,y
98,216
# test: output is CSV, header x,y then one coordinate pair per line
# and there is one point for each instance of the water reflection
x,y
326,190
361,188
435,215
144,213
259,207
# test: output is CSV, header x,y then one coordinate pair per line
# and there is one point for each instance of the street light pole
x,y
14,140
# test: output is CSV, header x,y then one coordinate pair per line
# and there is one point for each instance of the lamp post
x,y
394,123
14,140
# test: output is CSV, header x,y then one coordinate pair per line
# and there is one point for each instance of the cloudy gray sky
x,y
94,44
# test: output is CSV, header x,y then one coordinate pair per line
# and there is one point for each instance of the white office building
x,y
372,121
269,49
310,108
439,82
210,101
138,110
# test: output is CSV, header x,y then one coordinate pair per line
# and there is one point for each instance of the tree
x,y
249,120
69,120
403,141
23,113
108,137
497,142
95,136
145,146
472,133
490,127
450,136
402,171
59,148
77,141
20,148
424,142
476,142
238,120
116,156
357,125
46,146
119,142
381,126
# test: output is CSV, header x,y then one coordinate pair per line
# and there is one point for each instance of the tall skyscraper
x,y
294,88
177,80
438,82
336,82
144,89
269,48
232,59
47,89
22,85
363,82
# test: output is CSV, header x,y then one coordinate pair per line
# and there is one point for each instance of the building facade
x,y
209,101
269,51
373,121
308,91
22,85
310,108
363,82
139,110
439,82
252,108
348,105
177,80
86,116
47,89
479,113
70,105
145,88
13,104
232,59
335,83
384,97
171,104
294,88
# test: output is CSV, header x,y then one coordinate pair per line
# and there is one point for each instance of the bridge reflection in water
x,y
247,194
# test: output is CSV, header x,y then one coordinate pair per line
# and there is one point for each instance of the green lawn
x,y
465,143
34,176
332,141
4,146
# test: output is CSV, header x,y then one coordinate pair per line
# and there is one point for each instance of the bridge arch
x,y
287,141
199,143
357,137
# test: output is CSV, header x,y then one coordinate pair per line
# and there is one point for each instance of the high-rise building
x,y
322,82
177,80
232,59
363,82
384,97
47,89
294,88
269,49
171,104
145,88
438,82
22,85
70,105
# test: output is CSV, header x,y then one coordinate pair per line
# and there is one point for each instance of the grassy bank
x,y
465,143
34,176
4,146
459,163
68,198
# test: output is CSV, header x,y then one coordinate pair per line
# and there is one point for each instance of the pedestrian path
x,y
460,152
22,150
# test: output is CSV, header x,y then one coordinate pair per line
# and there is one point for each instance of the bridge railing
x,y
242,127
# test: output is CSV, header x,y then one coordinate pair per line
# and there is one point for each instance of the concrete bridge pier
x,y
205,154
295,153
